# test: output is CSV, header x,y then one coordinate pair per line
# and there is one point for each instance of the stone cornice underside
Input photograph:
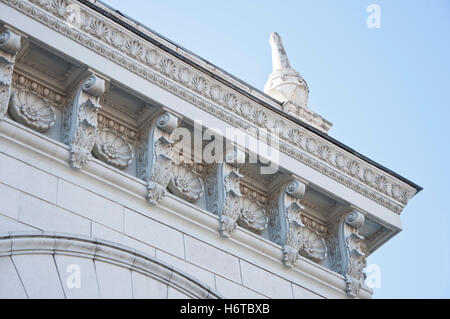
x,y
117,44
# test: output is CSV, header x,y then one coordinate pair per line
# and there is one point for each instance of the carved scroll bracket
x,y
288,219
287,229
155,158
229,194
9,47
81,120
349,259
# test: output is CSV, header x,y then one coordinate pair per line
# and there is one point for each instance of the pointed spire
x,y
279,56
289,88
285,84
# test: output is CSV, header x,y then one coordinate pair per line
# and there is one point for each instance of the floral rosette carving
x,y
29,109
185,184
113,149
253,217
313,245
140,51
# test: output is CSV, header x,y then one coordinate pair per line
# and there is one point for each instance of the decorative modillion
x,y
144,59
9,47
155,158
287,228
228,192
81,120
347,256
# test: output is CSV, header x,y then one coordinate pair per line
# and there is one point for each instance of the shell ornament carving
x,y
311,145
61,8
118,40
230,101
369,176
29,109
324,152
381,183
185,184
215,92
253,217
199,84
246,109
353,168
295,136
134,48
260,118
113,149
98,29
167,66
151,57
340,161
184,75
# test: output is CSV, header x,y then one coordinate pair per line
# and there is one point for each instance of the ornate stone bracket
x,y
148,61
349,259
287,229
155,157
9,47
228,192
285,220
82,120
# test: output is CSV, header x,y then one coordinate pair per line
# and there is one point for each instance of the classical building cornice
x,y
211,93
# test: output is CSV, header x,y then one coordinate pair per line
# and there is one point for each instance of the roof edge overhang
x,y
127,22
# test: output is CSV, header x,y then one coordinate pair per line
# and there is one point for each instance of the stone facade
x,y
92,110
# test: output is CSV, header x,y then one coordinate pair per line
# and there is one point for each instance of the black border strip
x,y
225,82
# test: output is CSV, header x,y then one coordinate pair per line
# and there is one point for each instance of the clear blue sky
x,y
387,92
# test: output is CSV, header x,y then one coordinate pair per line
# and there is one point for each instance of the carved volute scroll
x,y
287,229
82,120
228,192
155,160
348,258
286,220
9,47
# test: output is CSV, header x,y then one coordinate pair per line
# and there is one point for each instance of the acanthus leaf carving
x,y
223,185
347,256
154,159
81,120
230,211
114,49
293,237
287,228
9,47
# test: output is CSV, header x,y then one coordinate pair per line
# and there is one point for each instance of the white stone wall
x,y
39,191
57,265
